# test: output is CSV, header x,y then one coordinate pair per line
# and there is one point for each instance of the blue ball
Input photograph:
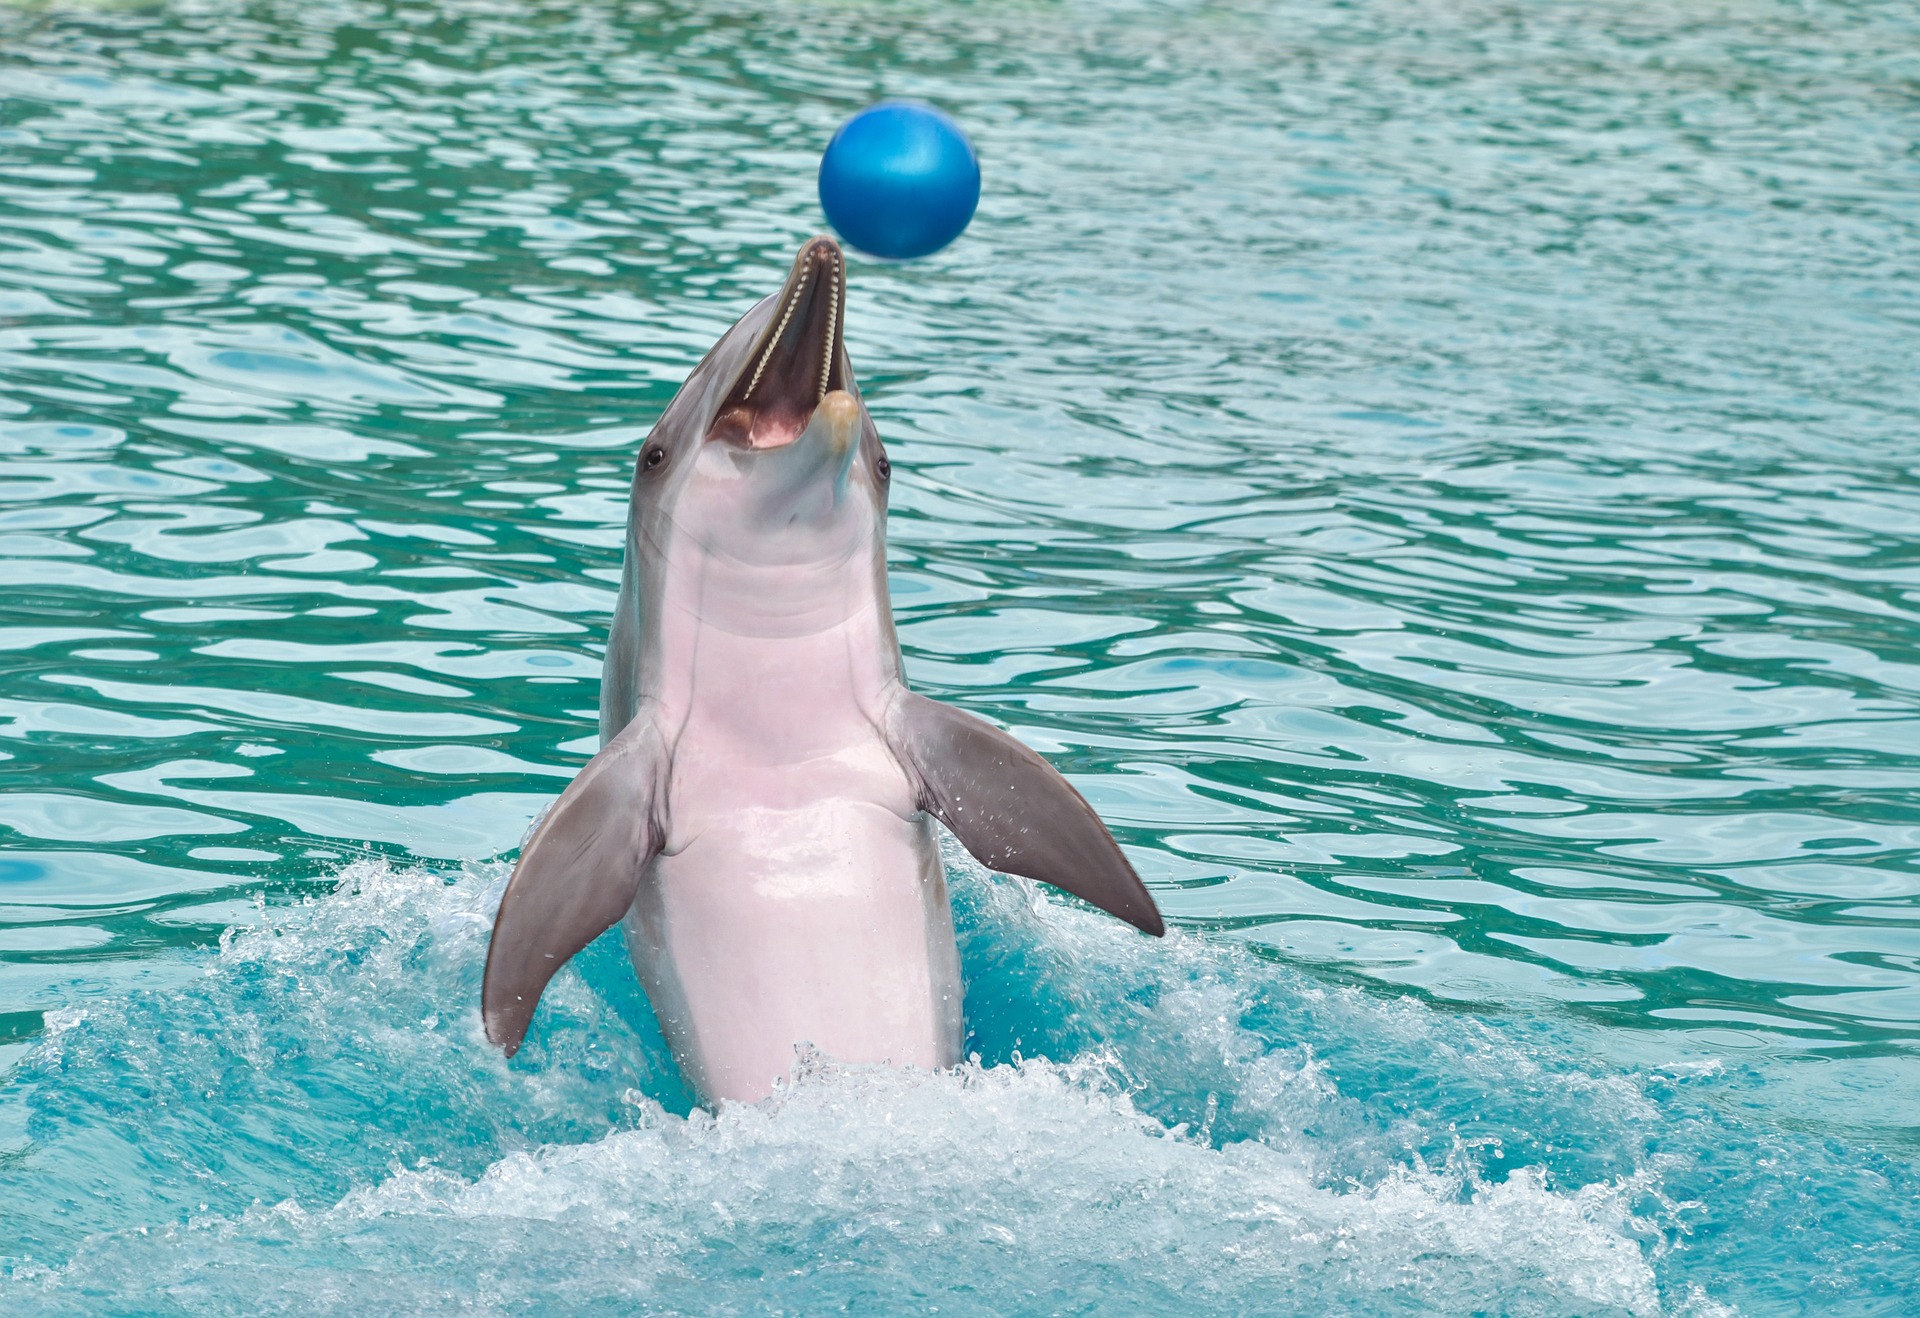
x,y
899,180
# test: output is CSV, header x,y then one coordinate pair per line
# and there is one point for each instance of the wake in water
x,y
318,1123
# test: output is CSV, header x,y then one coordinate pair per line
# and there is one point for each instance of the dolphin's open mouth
x,y
797,361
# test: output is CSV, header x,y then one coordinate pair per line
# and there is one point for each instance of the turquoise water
x,y
1442,480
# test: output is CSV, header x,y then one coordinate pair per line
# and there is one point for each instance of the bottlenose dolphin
x,y
759,815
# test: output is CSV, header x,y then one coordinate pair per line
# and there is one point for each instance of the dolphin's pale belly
x,y
794,911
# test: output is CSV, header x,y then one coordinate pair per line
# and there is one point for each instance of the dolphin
x,y
759,816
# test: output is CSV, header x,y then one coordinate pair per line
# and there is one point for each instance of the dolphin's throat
x,y
798,360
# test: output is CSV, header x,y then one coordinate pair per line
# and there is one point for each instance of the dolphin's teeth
x,y
773,339
833,324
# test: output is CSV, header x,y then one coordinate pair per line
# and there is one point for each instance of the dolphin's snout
x,y
820,251
798,361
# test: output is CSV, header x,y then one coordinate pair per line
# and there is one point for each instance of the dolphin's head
x,y
767,446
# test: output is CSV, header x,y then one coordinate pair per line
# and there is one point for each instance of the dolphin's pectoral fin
x,y
576,878
1013,810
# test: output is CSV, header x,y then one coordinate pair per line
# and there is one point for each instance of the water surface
x,y
1440,481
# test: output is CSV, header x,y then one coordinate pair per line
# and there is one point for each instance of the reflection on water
x,y
1440,481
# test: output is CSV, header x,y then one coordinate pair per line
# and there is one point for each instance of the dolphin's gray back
x,y
620,675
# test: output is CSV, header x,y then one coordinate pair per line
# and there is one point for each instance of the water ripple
x,y
1441,482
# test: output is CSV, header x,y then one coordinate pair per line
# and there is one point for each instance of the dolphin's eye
x,y
884,467
653,457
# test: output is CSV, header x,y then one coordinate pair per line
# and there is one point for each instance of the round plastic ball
x,y
899,180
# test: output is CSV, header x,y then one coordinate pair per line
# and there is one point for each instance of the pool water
x,y
1441,479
